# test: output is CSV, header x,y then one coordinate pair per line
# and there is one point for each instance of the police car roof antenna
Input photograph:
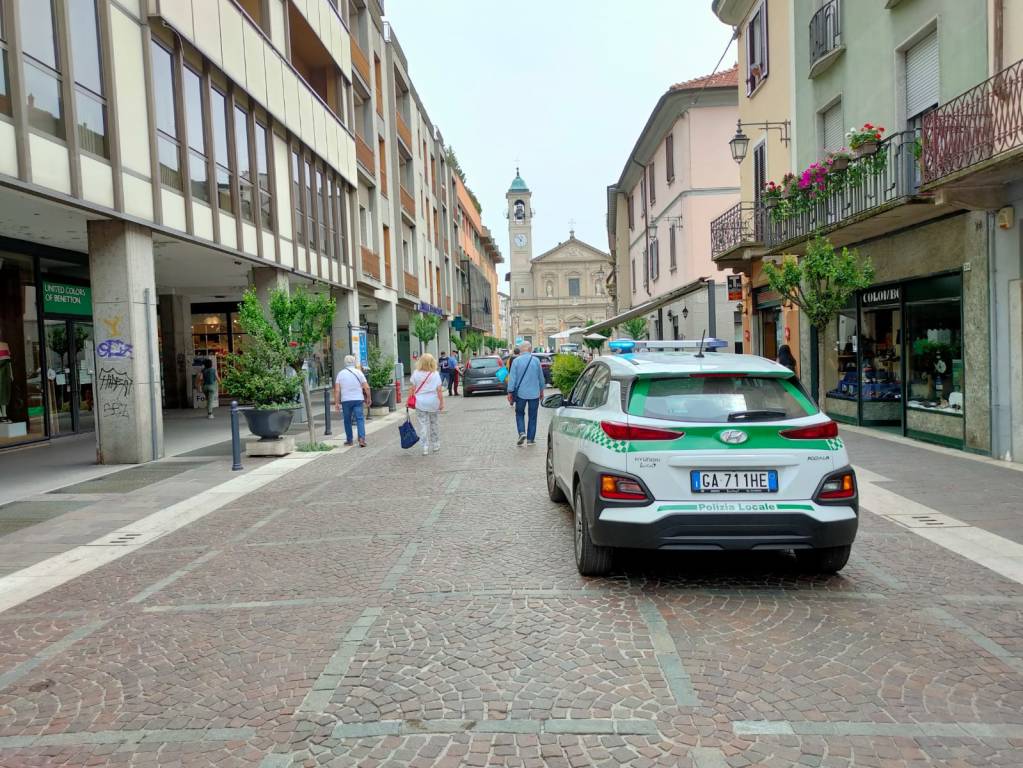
x,y
702,338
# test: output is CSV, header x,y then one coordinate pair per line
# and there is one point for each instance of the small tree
x,y
379,368
303,320
821,283
425,328
595,344
461,343
634,328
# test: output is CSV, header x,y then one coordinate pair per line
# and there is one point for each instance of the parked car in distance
x,y
481,376
546,360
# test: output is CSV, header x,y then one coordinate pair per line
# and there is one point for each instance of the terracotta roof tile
x,y
729,78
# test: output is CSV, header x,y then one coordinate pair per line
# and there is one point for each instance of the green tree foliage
x,y
457,168
821,282
380,370
566,370
425,328
493,343
303,320
257,375
476,341
634,328
461,343
594,344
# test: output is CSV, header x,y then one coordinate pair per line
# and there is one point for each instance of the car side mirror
x,y
553,401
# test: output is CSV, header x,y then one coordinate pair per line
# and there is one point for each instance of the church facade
x,y
563,287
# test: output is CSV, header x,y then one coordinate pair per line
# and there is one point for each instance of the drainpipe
x,y
999,42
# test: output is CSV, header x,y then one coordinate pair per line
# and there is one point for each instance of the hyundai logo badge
x,y
733,436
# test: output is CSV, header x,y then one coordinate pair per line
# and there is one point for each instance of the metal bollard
x,y
326,412
236,439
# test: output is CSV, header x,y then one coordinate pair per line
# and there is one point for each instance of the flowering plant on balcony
x,y
771,194
813,181
839,160
864,140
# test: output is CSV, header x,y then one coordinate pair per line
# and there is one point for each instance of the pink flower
x,y
292,343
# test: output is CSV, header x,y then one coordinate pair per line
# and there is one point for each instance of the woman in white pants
x,y
429,389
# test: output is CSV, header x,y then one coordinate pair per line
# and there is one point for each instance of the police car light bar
x,y
651,345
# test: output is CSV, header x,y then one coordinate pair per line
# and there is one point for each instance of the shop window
x,y
881,360
221,154
22,414
90,104
844,384
5,82
195,118
935,357
42,70
167,146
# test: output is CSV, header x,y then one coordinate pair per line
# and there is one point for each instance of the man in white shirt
x,y
351,391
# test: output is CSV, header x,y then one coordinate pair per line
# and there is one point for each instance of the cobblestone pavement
x,y
380,608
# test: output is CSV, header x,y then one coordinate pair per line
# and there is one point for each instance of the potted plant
x,y
259,375
788,185
863,141
380,375
839,159
771,195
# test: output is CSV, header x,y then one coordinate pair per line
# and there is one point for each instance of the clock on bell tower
x,y
520,238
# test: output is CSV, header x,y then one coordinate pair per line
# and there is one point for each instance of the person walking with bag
x,y
525,387
351,392
428,401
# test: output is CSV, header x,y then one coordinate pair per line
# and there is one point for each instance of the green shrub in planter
x,y
259,376
566,370
380,370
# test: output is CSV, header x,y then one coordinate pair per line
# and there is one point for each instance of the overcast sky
x,y
559,87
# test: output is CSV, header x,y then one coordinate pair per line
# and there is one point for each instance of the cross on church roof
x,y
571,228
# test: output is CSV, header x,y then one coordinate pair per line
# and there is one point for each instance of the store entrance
x,y
70,371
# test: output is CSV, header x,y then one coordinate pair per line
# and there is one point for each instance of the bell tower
x,y
520,239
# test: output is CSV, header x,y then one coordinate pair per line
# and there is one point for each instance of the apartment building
x,y
158,158
677,178
477,258
763,150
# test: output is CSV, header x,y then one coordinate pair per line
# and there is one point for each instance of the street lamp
x,y
685,312
739,144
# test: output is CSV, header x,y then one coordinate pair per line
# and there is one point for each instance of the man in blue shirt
x,y
525,388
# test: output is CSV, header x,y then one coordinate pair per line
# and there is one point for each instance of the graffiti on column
x,y
114,348
115,390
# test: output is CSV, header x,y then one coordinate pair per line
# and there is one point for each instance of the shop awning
x,y
650,306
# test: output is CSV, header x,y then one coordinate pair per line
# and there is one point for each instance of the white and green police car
x,y
699,450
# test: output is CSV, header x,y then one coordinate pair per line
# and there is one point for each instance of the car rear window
x,y
485,364
720,399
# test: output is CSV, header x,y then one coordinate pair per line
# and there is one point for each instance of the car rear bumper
x,y
472,386
725,526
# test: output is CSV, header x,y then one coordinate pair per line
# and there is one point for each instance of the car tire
x,y
824,560
466,393
554,491
590,560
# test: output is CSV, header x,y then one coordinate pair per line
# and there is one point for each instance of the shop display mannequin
x,y
6,379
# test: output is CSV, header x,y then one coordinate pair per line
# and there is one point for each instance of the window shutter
x,y
669,157
834,135
671,246
764,49
759,170
653,183
922,75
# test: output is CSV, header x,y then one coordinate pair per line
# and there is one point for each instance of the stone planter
x,y
268,424
379,398
866,148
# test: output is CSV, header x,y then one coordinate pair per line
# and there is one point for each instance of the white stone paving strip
x,y
323,689
679,682
14,674
1000,652
33,581
907,730
994,552
128,738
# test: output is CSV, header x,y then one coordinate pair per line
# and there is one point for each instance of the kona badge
x,y
733,437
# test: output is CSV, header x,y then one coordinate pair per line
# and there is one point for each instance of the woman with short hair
x,y
429,391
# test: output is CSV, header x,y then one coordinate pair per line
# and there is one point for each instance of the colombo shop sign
x,y
67,299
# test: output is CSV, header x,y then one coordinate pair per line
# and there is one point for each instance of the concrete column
x,y
444,336
176,332
266,279
129,418
387,327
347,312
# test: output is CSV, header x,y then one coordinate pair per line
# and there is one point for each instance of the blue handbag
x,y
409,436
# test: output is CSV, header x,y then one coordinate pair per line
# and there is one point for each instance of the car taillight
x,y
618,431
841,485
814,432
621,489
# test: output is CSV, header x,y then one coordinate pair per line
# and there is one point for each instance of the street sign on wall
x,y
67,299
735,287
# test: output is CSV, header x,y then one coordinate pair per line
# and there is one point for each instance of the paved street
x,y
376,607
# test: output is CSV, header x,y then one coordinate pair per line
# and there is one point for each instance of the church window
x,y
573,286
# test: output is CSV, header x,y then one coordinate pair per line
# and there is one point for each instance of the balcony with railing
x,y
737,233
977,134
876,194
825,36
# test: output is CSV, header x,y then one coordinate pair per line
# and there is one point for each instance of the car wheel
x,y
590,560
553,489
466,393
824,560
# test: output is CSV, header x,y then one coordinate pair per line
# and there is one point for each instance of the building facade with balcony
x,y
910,353
159,157
972,157
677,178
765,89
478,257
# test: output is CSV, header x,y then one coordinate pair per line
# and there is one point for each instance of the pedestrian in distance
x,y
351,394
444,365
454,373
786,358
525,388
210,378
429,399
512,356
